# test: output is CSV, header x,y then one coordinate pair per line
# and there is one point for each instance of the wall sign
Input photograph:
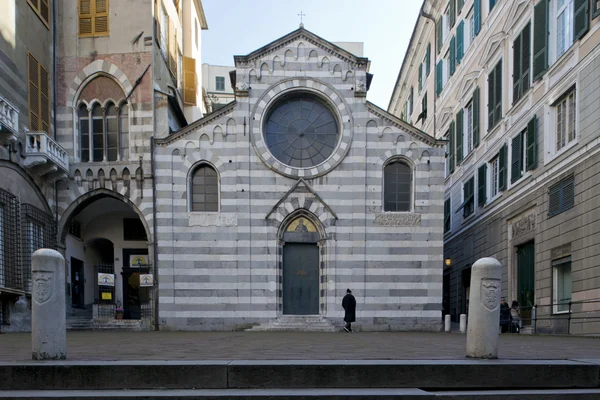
x,y
106,279
146,280
137,261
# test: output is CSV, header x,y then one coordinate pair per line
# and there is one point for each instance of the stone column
x,y
48,310
484,309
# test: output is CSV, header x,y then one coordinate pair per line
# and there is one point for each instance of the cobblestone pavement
x,y
294,346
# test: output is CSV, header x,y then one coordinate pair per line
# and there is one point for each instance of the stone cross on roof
x,y
301,15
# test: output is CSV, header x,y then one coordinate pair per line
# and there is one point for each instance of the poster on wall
x,y
106,279
146,280
137,261
106,296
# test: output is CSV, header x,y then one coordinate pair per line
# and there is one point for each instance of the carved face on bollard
x,y
490,292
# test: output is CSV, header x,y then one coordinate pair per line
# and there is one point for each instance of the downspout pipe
x,y
434,66
54,98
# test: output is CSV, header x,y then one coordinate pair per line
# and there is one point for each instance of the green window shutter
x,y
532,144
517,92
516,158
581,21
424,106
410,101
540,39
476,117
459,136
525,58
428,60
452,56
451,150
420,78
477,16
502,169
491,97
459,5
460,29
481,185
595,9
447,213
492,4
498,93
452,13
439,28
438,77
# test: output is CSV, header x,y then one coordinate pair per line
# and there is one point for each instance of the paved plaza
x,y
295,346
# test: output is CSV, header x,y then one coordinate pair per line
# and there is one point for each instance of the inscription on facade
x,y
400,219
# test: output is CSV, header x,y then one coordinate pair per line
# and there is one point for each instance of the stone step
x,y
308,374
296,323
276,394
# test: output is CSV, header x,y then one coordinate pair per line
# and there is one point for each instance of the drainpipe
x,y
54,16
154,227
430,17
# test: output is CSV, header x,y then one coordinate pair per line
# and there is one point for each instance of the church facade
x,y
299,189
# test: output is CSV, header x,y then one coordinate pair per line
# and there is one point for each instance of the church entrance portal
x,y
301,268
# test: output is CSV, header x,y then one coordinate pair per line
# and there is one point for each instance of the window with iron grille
x,y
10,273
38,230
397,187
205,189
75,229
4,312
561,196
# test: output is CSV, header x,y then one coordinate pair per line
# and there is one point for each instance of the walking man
x,y
349,305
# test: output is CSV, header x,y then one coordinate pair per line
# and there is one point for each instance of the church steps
x,y
296,323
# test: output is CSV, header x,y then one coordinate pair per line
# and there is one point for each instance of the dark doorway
x,y
466,284
134,295
301,279
526,279
77,283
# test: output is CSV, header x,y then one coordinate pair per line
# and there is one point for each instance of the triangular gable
x,y
206,120
293,189
467,84
494,43
516,12
405,126
303,34
445,115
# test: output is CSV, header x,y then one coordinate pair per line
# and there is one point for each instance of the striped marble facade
x,y
223,270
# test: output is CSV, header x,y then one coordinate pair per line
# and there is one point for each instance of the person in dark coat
x,y
504,315
349,305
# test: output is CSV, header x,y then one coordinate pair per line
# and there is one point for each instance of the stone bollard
x,y
463,323
447,323
48,309
484,309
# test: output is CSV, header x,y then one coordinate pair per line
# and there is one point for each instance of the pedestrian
x,y
515,317
349,305
504,315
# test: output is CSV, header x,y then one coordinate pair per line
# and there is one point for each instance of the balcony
x,y
45,157
9,123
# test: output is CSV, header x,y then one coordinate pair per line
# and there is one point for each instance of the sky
x,y
238,27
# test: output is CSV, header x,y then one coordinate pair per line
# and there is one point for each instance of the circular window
x,y
301,131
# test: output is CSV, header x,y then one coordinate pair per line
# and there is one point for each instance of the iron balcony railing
x,y
572,317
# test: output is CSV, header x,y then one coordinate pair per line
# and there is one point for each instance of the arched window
x,y
397,185
205,189
84,130
97,133
112,134
124,131
107,137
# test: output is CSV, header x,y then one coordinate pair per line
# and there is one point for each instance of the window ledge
x,y
198,218
468,157
493,200
560,312
562,151
493,131
522,179
516,105
391,218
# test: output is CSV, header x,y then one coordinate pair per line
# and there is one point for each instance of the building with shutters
x,y
217,90
513,87
86,85
31,159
